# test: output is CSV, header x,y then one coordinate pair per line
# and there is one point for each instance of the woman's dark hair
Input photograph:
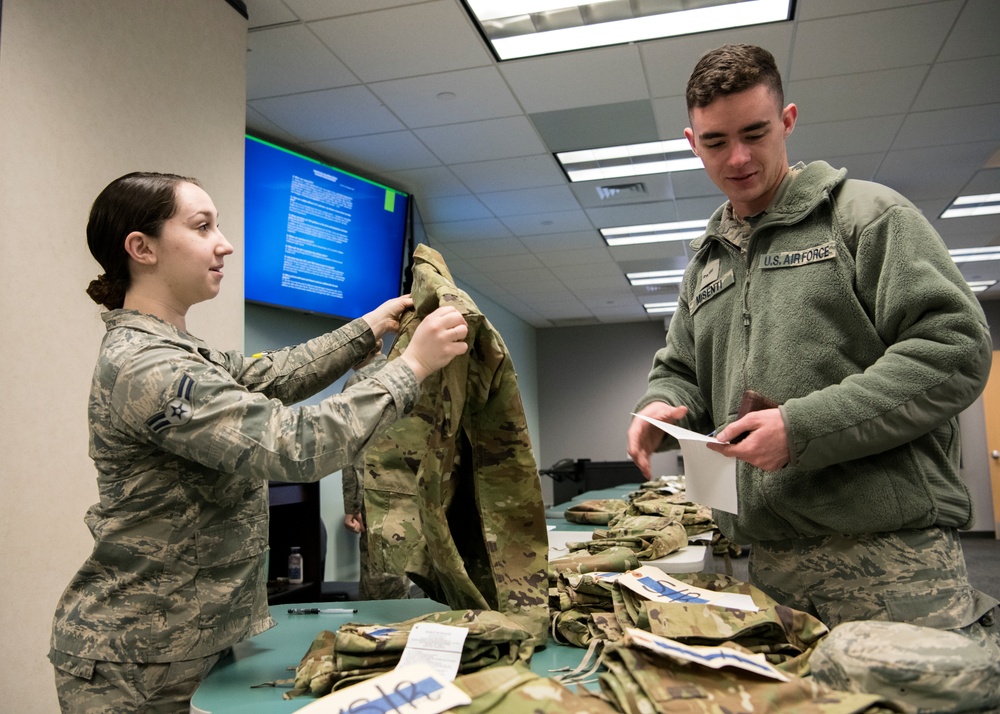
x,y
730,69
140,201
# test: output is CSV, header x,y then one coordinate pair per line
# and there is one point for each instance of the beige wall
x,y
89,91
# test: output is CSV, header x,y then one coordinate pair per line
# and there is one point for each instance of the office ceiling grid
x,y
904,92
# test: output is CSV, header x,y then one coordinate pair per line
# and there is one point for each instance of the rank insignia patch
x,y
178,410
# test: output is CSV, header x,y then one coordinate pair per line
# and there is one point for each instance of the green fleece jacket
x,y
847,310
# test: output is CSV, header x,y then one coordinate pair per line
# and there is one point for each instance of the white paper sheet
x,y
710,477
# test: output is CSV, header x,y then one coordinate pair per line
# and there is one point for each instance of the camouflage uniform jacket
x,y
185,439
452,493
846,309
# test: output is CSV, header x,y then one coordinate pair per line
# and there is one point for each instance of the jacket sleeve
x,y
673,380
295,373
937,347
195,410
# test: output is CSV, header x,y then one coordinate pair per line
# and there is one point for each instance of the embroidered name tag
x,y
711,290
795,258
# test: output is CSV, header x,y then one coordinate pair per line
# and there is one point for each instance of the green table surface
x,y
269,655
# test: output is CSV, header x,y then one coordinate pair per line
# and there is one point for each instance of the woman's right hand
x,y
438,339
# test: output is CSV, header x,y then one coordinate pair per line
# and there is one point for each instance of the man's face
x,y
740,138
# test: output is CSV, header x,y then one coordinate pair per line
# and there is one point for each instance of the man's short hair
x,y
730,69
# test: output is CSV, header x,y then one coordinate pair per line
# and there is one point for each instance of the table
x,y
265,657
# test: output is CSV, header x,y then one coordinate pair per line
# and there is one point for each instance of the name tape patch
x,y
711,290
796,258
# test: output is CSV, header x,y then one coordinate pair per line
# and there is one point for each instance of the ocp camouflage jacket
x,y
847,310
185,439
452,492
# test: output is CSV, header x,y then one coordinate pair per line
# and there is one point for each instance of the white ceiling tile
x,y
530,200
859,166
452,231
261,13
854,96
541,223
956,84
935,172
854,136
580,256
482,140
288,60
577,79
329,114
871,41
510,174
320,9
505,263
950,126
451,208
449,97
431,182
671,116
975,33
381,152
404,41
672,255
614,216
578,240
589,273
668,63
815,9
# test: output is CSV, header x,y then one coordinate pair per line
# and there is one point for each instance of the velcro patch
x,y
179,410
711,290
797,258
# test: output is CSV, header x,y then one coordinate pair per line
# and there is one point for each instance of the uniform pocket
x,y
229,558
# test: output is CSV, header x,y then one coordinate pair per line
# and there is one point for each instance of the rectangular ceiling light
x,y
981,205
653,232
528,28
975,255
979,286
656,277
612,162
660,308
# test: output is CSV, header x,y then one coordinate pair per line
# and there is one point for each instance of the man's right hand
x,y
644,438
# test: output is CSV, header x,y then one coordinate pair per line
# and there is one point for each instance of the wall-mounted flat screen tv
x,y
319,239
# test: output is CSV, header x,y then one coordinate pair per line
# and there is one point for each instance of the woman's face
x,y
191,248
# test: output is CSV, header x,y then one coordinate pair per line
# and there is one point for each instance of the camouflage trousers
x,y
913,576
88,687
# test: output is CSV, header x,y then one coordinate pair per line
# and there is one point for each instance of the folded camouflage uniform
x,y
649,537
786,637
356,652
515,689
696,518
638,681
595,511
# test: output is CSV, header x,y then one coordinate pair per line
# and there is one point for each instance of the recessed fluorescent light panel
x,y
975,255
656,277
528,28
653,233
979,286
660,308
612,162
981,205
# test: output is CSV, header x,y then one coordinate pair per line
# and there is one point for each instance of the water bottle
x,y
295,566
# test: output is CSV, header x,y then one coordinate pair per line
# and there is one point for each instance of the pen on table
x,y
321,611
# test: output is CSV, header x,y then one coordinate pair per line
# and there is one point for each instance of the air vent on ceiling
x,y
621,190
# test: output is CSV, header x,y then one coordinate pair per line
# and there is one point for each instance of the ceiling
x,y
903,92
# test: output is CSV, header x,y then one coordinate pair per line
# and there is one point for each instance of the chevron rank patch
x,y
178,410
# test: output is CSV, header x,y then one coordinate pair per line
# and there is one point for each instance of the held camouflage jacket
x,y
185,439
452,493
846,309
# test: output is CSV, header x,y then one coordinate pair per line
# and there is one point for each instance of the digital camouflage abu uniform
x,y
185,439
452,492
